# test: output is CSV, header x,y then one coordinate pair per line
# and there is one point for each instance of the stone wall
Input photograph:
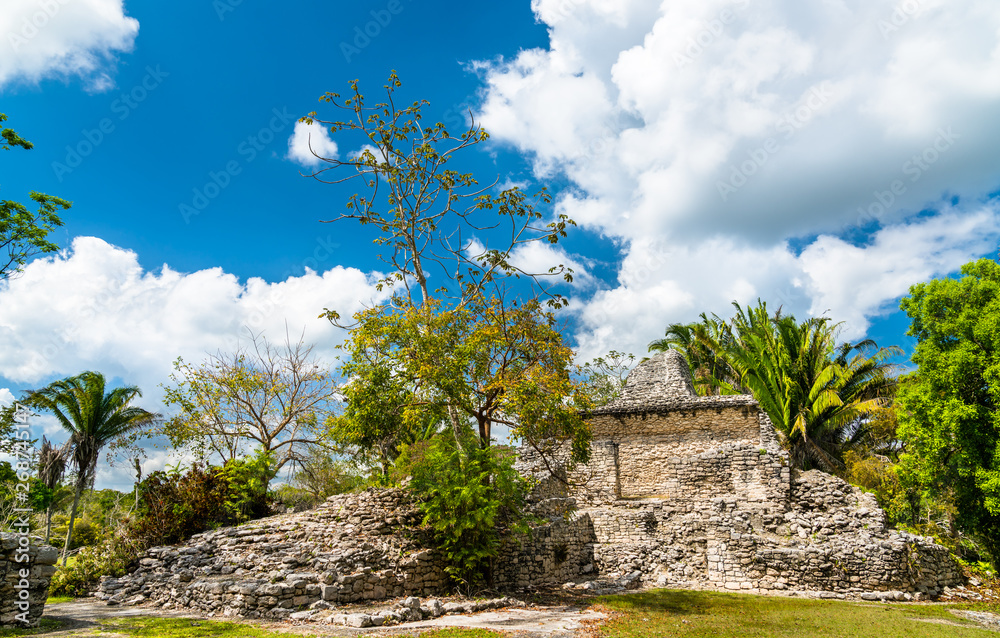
x,y
695,491
353,547
680,491
25,573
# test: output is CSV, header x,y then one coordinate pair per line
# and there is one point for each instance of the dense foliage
x,y
471,497
950,422
173,506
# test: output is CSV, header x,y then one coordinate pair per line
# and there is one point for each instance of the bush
x,y
173,506
112,557
471,497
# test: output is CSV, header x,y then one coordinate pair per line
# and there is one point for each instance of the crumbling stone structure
x,y
692,491
26,569
680,490
353,547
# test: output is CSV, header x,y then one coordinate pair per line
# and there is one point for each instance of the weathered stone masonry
x,y
353,547
680,490
39,567
694,491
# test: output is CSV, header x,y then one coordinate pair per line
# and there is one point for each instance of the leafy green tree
x,y
604,377
479,366
94,417
23,233
818,395
950,422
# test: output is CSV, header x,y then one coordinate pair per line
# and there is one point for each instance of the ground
x,y
654,613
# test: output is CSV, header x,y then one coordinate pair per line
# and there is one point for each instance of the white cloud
x,y
309,141
64,38
725,129
94,307
661,283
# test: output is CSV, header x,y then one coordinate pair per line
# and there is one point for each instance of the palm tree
x,y
93,418
51,467
818,396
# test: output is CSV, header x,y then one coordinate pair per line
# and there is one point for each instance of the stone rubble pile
x,y
410,609
352,548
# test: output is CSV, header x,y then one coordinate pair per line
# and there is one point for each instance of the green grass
x,y
662,613
55,600
187,628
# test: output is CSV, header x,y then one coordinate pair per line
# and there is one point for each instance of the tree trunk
x,y
72,519
48,524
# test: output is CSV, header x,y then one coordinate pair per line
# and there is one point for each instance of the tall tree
x,y
94,416
434,221
817,394
23,233
950,421
51,467
437,223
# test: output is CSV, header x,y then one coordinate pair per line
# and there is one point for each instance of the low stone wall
x,y
354,547
25,574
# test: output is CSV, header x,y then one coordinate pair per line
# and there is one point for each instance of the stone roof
x,y
663,383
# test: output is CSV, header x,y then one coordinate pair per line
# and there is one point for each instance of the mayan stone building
x,y
680,491
683,490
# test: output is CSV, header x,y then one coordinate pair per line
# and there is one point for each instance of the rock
x,y
357,620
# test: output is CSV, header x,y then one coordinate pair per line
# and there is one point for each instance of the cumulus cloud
x,y
660,283
310,142
94,307
64,38
727,130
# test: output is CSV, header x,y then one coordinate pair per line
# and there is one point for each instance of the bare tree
x,y
272,399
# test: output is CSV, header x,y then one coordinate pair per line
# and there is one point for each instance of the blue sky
x,y
823,157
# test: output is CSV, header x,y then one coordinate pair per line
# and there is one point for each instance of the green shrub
x,y
471,497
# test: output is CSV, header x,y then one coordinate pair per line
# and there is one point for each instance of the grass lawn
x,y
694,613
187,628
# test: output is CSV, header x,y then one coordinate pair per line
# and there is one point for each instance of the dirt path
x,y
84,618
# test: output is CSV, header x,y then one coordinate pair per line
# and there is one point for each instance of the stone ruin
x,y
690,491
26,568
680,491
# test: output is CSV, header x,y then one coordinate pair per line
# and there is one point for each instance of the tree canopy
x,y
819,395
432,219
23,232
268,398
949,421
